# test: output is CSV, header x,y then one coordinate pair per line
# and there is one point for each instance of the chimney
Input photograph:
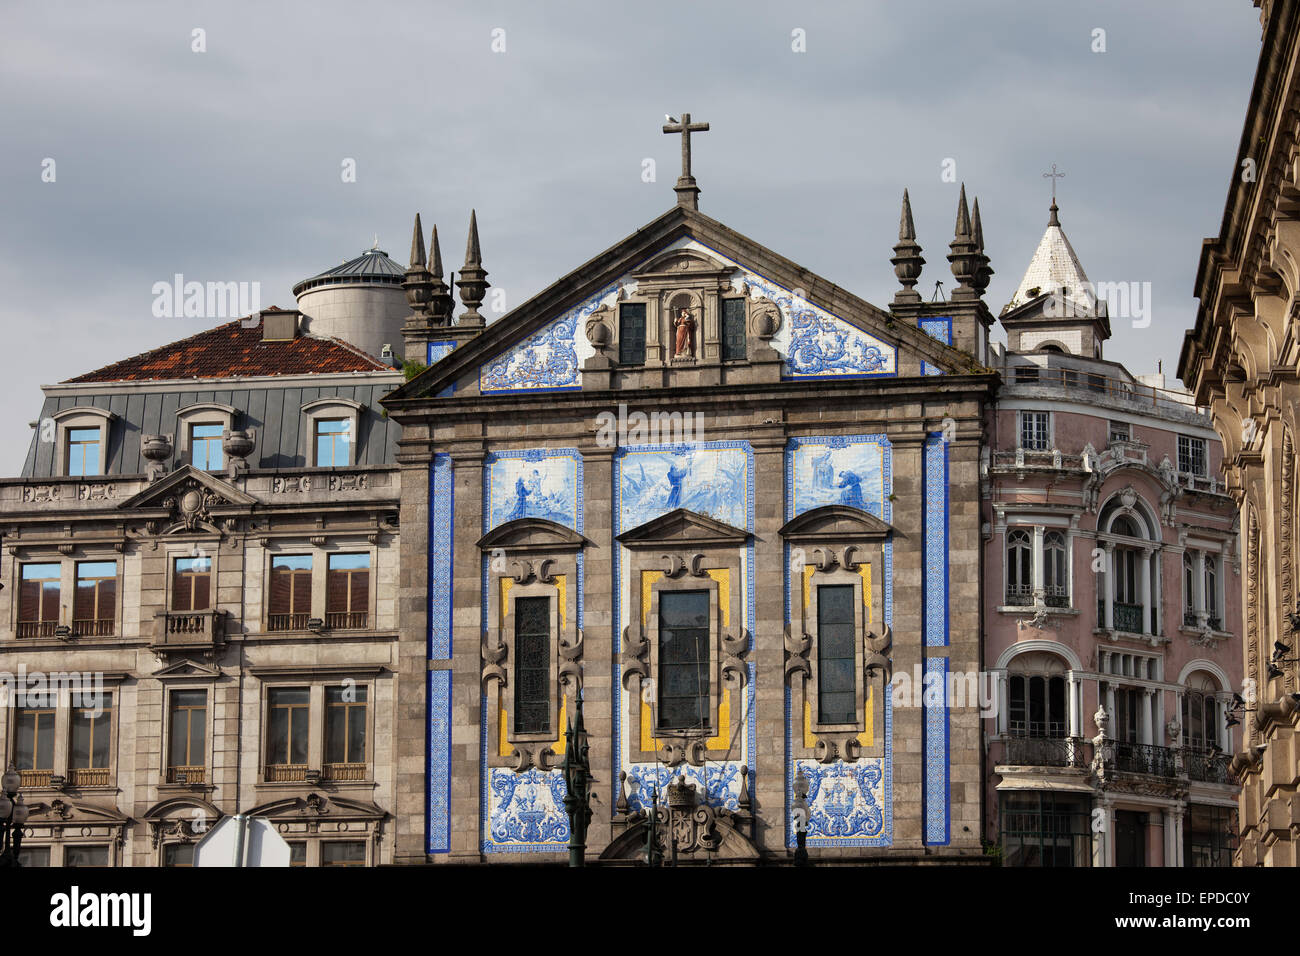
x,y
279,325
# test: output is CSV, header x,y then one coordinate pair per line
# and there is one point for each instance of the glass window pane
x,y
297,853
339,853
85,856
178,854
348,562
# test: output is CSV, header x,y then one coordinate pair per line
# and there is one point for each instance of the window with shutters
x,y
286,733
94,610
532,665
345,732
733,330
187,735
684,702
38,602
90,753
191,584
290,602
631,333
837,685
347,591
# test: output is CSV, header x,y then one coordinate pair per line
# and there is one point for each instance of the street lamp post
x,y
577,780
13,815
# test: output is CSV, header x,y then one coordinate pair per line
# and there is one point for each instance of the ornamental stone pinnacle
x,y
472,282
907,259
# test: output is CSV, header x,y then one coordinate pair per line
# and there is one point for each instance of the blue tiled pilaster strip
x,y
441,509
439,798
935,625
936,752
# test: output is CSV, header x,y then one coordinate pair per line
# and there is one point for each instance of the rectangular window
x,y
205,447
178,854
1035,431
191,584
83,451
34,743
333,442
297,853
88,757
837,684
345,732
343,853
1045,829
1120,431
733,330
631,333
347,591
286,733
188,727
1026,374
290,602
94,608
1191,456
85,856
683,660
532,665
35,856
38,601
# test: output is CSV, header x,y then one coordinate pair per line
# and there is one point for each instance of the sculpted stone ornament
x,y
600,330
157,450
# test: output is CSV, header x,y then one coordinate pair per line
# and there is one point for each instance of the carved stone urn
x,y
238,445
157,450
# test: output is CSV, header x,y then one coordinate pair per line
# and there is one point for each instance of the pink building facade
x,y
1112,598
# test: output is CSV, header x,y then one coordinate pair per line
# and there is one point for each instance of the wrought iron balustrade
x,y
1206,765
1145,758
1046,752
1020,594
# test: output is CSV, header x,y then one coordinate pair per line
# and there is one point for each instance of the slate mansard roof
x,y
230,350
266,382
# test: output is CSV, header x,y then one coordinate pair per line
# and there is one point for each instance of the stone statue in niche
x,y
684,347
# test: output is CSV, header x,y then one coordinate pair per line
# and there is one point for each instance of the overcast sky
x,y
225,165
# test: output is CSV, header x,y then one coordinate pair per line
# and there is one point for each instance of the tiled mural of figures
x,y
840,473
531,486
708,481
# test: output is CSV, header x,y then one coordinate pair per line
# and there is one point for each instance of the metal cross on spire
x,y
688,194
1053,176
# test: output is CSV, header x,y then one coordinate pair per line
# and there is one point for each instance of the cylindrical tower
x,y
360,302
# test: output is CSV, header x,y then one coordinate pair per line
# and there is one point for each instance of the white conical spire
x,y
1053,266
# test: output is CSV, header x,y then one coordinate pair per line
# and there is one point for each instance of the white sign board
x,y
260,844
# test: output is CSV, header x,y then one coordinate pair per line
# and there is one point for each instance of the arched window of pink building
x,y
1020,563
1128,586
1056,573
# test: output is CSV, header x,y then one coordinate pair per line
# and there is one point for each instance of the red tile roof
x,y
231,350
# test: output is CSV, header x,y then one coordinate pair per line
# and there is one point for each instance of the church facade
x,y
726,503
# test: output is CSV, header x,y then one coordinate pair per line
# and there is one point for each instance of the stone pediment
x,y
189,498
531,534
187,668
679,263
61,811
684,528
835,523
183,807
318,804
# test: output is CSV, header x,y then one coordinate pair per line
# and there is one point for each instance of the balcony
x,y
1207,766
1145,758
286,773
189,628
34,778
189,775
346,620
1020,595
1130,618
1055,596
1047,752
344,771
35,628
90,777
94,628
287,622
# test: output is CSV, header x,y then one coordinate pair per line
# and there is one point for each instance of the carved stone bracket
x,y
877,654
571,662
493,657
796,655
734,647
635,656
528,756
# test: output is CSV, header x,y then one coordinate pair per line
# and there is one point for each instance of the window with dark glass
x,y
1128,705
1201,720
1037,706
1035,429
1056,581
1209,835
837,685
333,442
1020,562
83,451
343,853
178,854
683,660
733,330
205,447
188,727
1120,431
191,584
532,665
85,856
88,757
347,591
1045,829
631,333
297,853
95,606
34,856
1026,374
1191,456
290,604
38,601
345,731
1212,593
286,734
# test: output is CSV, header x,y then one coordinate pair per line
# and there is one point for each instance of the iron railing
x,y
35,628
345,620
1145,758
93,627
1206,765
1056,596
1020,594
1047,752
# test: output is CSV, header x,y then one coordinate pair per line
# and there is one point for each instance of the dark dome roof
x,y
372,266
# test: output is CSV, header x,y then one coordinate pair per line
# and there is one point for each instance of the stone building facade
x,y
724,500
201,552
1112,597
1240,359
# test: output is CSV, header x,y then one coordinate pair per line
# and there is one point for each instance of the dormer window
x,y
333,442
205,446
82,437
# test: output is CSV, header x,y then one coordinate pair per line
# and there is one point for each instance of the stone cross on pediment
x,y
688,194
